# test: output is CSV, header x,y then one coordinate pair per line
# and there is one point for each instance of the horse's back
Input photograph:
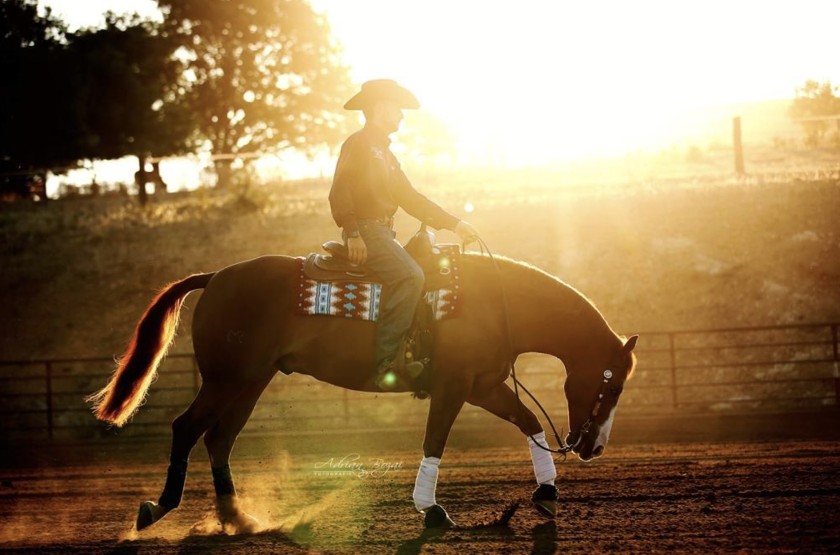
x,y
254,278
240,316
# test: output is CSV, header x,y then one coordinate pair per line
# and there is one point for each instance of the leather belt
x,y
384,220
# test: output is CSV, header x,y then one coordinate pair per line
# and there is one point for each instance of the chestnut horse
x,y
245,329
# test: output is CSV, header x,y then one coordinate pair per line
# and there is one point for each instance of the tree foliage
x,y
127,98
33,130
93,94
262,74
814,104
240,76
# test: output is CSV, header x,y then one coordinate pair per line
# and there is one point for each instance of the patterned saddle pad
x,y
361,299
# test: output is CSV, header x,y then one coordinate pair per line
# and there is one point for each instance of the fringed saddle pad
x,y
361,300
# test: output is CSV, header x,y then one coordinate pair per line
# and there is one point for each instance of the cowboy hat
x,y
382,89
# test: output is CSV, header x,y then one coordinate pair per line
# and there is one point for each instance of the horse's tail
x,y
119,400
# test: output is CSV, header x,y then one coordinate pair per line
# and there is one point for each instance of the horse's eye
x,y
616,390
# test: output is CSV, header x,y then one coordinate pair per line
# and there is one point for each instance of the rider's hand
x,y
357,250
466,232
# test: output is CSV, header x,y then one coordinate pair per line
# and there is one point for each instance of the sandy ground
x,y
691,497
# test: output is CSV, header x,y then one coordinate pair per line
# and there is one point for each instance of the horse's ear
x,y
630,345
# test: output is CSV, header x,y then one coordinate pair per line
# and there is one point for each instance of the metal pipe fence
x,y
772,369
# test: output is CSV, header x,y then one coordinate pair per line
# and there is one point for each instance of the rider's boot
x,y
391,377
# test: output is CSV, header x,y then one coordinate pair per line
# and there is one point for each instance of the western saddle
x,y
437,267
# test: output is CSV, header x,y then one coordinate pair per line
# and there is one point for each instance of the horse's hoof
x,y
234,520
436,517
149,513
546,508
545,500
242,523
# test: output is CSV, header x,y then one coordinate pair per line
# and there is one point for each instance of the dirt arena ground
x,y
318,495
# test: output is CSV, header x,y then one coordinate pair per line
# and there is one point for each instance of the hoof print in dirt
x,y
436,517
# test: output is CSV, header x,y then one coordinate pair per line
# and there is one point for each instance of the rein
x,y
578,435
564,448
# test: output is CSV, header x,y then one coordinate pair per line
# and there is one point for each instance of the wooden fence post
x,y
737,146
673,370
48,376
836,353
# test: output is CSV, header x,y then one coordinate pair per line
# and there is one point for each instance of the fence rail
x,y
707,371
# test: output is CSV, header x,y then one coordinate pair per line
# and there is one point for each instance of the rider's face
x,y
388,115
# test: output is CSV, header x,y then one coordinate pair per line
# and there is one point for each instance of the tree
x,y
34,135
94,94
128,93
814,104
262,75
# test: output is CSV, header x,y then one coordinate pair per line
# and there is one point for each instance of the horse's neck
x,y
549,316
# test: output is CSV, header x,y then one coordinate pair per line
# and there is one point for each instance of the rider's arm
x,y
419,206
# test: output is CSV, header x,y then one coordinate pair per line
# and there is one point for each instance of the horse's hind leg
x,y
503,402
219,441
212,398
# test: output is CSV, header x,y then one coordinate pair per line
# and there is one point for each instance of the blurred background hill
x,y
653,254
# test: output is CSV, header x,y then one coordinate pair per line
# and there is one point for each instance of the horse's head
x,y
592,392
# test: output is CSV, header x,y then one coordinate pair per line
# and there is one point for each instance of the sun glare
x,y
536,82
540,80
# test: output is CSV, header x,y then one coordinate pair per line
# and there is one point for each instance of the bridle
x,y
575,436
604,389
583,431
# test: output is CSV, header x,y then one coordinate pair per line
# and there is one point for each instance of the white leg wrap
x,y
544,469
424,486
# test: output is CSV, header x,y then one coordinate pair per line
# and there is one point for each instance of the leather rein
x,y
576,436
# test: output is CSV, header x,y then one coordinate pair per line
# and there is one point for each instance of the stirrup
x,y
414,368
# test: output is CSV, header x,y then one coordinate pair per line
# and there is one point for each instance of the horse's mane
x,y
527,269
575,300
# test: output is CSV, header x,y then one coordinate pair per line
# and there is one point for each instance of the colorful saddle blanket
x,y
361,298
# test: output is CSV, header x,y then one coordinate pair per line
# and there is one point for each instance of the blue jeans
x,y
402,280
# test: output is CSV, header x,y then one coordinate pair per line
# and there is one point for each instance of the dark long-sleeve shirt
x,y
370,184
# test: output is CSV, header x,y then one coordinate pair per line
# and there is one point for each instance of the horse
x,y
245,329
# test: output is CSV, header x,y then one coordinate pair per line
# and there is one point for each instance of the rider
x,y
367,189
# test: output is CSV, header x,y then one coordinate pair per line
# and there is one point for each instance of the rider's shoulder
x,y
359,139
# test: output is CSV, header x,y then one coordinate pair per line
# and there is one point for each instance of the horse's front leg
x,y
503,402
448,398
